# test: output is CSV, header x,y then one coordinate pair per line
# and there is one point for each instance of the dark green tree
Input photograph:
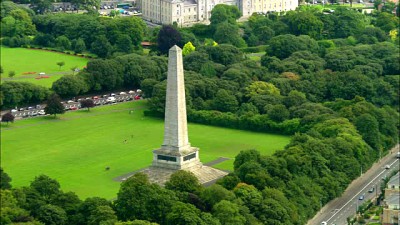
x,y
79,46
183,181
54,105
101,47
69,86
7,117
52,215
4,179
167,37
225,102
87,103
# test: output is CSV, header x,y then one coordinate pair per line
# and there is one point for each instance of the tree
x,y
225,101
8,117
11,73
124,43
283,46
102,215
183,181
87,103
41,6
80,46
261,88
184,214
60,64
63,43
4,178
69,86
224,13
54,105
138,199
227,33
188,48
305,23
167,37
101,47
52,215
228,213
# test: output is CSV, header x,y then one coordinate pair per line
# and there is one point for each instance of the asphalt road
x,y
337,210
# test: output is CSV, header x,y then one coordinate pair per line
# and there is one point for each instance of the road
x,y
337,210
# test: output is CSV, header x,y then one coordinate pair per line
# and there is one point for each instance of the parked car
x,y
131,92
14,110
137,97
70,101
73,108
361,197
42,112
95,97
371,190
387,167
111,100
122,93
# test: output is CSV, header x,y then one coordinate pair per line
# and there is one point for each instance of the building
x,y
188,12
391,210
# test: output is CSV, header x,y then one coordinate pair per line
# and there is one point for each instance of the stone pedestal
x,y
171,159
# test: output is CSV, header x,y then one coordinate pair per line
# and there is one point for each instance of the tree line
x,y
333,86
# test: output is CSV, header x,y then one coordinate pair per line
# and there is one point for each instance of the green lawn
x,y
22,60
76,147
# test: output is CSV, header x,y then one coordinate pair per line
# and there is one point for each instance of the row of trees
x,y
73,32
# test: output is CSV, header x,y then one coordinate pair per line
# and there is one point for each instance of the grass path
x,y
76,147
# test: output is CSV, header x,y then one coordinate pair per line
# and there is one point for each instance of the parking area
x,y
74,104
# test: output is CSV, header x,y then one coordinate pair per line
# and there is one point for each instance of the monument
x,y
176,153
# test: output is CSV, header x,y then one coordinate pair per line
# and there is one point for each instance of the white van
x,y
111,100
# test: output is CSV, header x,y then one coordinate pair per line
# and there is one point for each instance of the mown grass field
x,y
22,60
76,147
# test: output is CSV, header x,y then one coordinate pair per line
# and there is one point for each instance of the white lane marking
x,y
359,192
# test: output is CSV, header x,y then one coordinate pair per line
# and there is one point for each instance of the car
x,y
34,113
138,91
95,97
14,110
30,108
371,190
21,109
137,97
122,93
387,167
324,223
42,112
38,106
131,92
73,108
111,100
70,101
361,197
398,155
112,94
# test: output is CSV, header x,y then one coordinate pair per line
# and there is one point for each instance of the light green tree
x,y
261,88
188,48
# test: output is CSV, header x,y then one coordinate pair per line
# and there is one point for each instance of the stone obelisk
x,y
176,152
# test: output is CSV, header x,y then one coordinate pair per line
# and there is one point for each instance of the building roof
x,y
395,180
190,2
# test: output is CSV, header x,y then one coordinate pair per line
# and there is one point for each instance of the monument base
x,y
176,160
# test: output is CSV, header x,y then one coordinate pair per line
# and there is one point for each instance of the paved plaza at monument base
x,y
159,175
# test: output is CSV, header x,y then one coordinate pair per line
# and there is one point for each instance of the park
x,y
75,148
29,63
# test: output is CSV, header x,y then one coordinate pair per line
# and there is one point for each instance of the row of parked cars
x,y
75,104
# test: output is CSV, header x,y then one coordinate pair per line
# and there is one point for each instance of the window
x,y
189,157
167,158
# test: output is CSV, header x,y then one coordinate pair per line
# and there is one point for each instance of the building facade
x,y
391,209
188,12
